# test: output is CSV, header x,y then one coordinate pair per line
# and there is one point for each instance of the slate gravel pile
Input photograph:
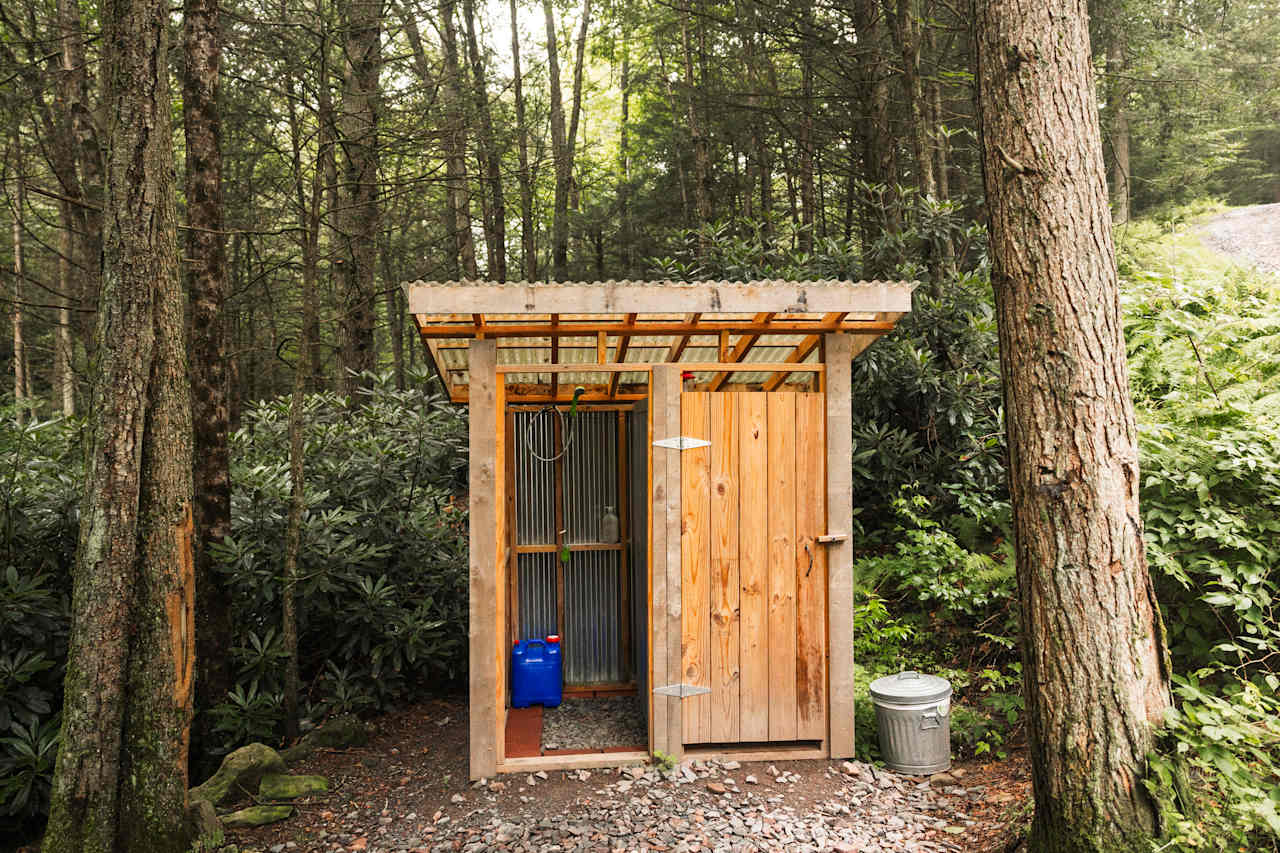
x,y
700,806
594,723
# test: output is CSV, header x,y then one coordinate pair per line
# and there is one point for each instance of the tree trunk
x,y
879,211
455,148
326,145
359,209
497,219
86,162
624,161
697,133
804,133
904,25
1119,134
20,384
1095,664
562,141
206,276
65,385
528,245
120,783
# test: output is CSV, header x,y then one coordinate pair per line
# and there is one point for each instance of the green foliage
x,y
38,515
382,590
1218,778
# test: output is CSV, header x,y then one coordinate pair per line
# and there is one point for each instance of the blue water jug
x,y
536,676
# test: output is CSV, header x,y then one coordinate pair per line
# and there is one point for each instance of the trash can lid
x,y
910,686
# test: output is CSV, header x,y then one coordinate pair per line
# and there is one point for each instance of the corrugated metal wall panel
x,y
638,435
592,610
537,591
590,474
535,479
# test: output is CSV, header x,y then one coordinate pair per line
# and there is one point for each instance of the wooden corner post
x,y
838,352
666,723
484,631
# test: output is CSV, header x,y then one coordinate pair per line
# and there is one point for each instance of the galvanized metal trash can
x,y
913,713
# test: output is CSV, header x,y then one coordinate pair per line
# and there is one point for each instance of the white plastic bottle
x,y
609,526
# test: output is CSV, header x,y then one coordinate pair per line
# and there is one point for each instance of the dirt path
x,y
407,792
1250,235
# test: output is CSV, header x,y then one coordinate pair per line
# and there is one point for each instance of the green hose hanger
x,y
577,392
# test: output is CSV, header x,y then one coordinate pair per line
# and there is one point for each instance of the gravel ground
x,y
594,723
407,791
1251,235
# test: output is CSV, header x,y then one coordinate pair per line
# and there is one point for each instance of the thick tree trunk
x,y
496,220
206,276
455,148
359,209
528,245
1095,663
121,778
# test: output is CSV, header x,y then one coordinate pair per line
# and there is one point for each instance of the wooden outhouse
x,y
660,474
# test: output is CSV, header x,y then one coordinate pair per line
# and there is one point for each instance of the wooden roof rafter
x,y
623,345
744,345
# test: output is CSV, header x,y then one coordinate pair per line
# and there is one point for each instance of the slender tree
x,y
1095,664
455,144
358,207
120,783
528,245
496,217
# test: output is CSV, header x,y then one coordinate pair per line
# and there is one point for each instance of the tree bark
x,y
120,782
455,148
624,162
359,208
64,348
697,133
562,141
496,220
528,245
206,276
1095,663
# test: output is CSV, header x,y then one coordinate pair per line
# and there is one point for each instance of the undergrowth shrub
x,y
382,594
39,496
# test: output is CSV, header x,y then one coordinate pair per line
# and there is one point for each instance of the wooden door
x,y
753,576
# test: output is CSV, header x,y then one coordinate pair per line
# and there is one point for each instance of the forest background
x,y
365,144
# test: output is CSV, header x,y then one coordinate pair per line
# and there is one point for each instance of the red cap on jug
x,y
553,638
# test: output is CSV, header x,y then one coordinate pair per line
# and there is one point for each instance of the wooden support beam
x,y
656,327
555,356
678,347
659,297
740,351
666,379
839,416
602,348
623,344
645,367
483,636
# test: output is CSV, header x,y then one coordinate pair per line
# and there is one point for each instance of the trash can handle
x,y
925,719
910,673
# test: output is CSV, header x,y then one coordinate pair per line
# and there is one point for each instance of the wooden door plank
x,y
695,553
724,569
753,567
782,565
811,568
502,560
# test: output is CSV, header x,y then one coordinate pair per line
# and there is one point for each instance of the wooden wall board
x,y
839,350
695,565
724,578
753,566
670,403
811,569
657,567
483,632
782,562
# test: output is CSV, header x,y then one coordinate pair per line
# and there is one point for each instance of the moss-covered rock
x,y
241,772
281,787
204,830
257,816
